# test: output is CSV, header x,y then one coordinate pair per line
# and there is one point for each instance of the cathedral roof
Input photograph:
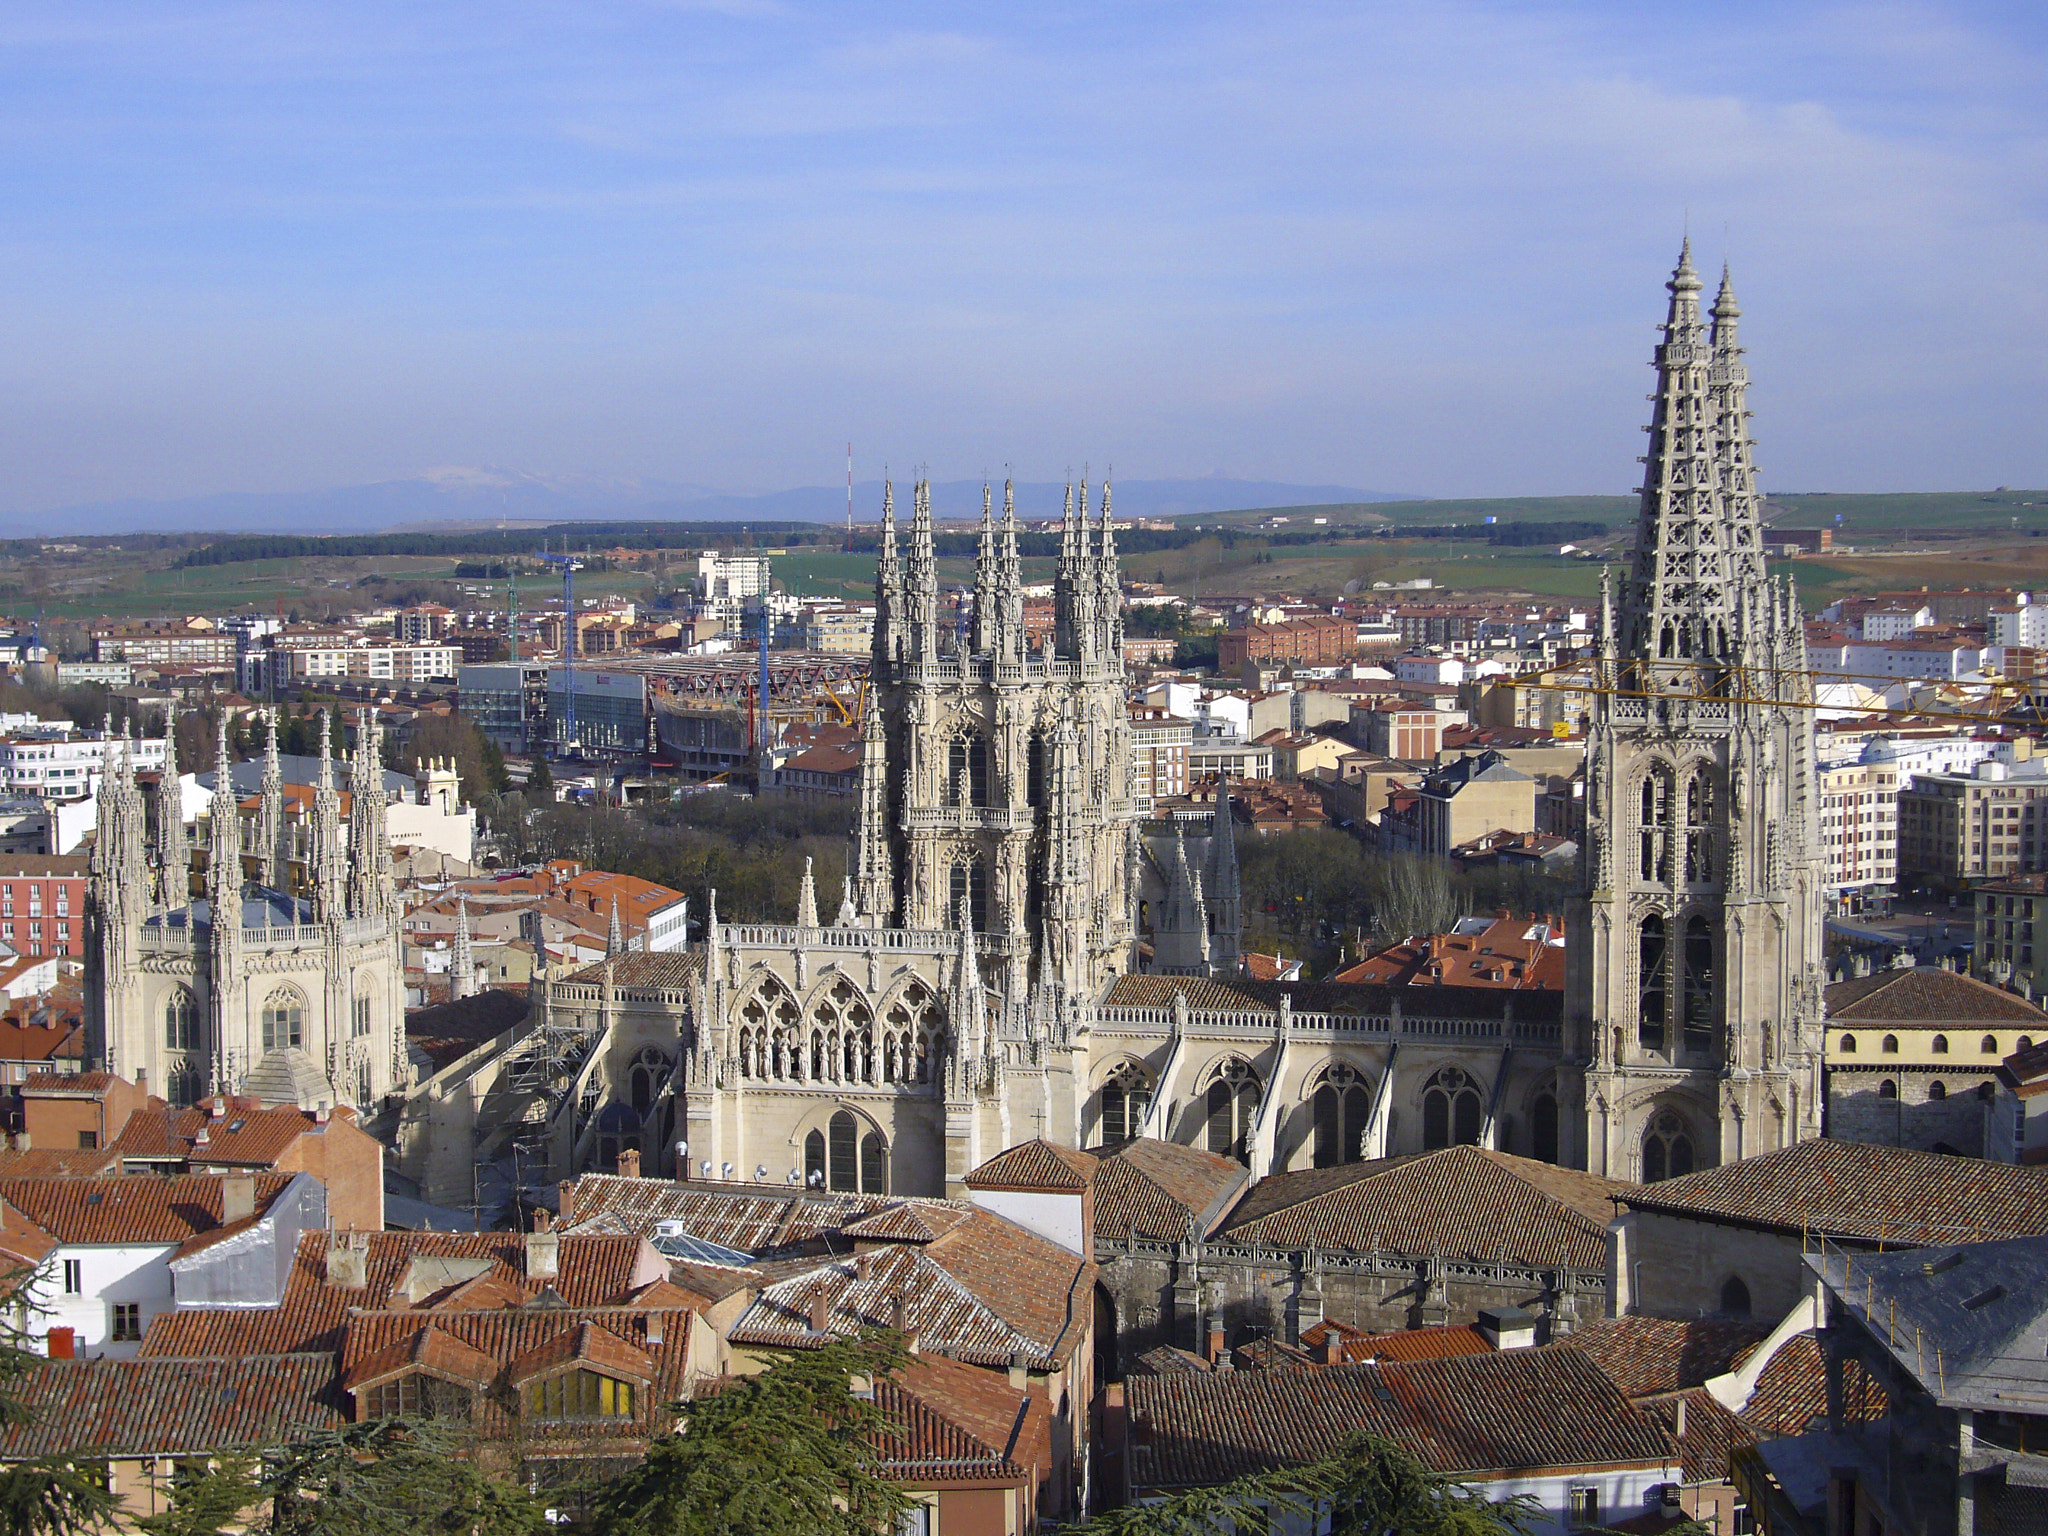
x,y
1238,994
1927,994
1458,1202
1150,1188
1857,1190
752,1218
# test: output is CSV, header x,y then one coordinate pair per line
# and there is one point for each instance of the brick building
x,y
1319,641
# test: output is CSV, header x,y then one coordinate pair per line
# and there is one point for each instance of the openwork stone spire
x,y
1695,544
173,849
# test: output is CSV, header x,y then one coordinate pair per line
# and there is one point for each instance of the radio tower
x,y
849,498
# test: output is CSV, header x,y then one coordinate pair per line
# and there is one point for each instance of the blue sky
x,y
269,246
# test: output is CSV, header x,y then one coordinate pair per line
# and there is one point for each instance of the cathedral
x,y
230,980
1019,951
1694,959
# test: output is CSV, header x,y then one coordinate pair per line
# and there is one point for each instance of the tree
x,y
1369,1487
213,1502
477,762
51,1495
790,1452
540,783
389,1477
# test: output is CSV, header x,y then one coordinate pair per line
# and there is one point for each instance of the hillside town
x,y
1614,1153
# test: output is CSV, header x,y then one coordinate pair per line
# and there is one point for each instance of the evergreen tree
x,y
790,1452
540,784
51,1495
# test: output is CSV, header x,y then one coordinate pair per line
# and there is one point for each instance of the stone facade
x,y
293,999
1695,958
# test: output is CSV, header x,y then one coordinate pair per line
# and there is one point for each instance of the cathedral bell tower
x,y
1693,994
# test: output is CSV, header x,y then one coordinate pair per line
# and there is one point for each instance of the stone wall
x,y
1859,1111
1672,1266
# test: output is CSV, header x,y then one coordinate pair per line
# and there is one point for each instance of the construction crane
x,y
570,566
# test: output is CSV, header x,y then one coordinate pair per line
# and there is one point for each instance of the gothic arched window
x,y
874,1164
1667,1148
1651,965
644,1079
842,1135
1125,1096
1232,1101
1653,816
618,1130
1543,1128
814,1159
1699,827
1342,1106
181,1022
284,1020
184,1084
1451,1111
969,879
1699,985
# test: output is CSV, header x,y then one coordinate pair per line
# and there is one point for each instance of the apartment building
x,y
1159,753
42,903
65,766
1859,825
162,646
1955,828
2008,913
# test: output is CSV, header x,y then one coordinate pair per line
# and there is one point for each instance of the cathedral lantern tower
x,y
1693,994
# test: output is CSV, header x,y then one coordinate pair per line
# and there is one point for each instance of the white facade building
x,y
66,766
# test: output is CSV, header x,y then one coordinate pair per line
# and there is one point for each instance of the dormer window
x,y
415,1395
579,1394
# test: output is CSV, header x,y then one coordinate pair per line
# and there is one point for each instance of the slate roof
x,y
1459,1202
1645,1355
1474,1416
1926,994
448,1031
1860,1191
170,1407
120,1209
1969,1321
594,1271
1239,994
985,1291
1035,1165
1150,1188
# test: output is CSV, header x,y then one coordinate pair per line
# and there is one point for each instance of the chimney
x,y
63,1343
1330,1348
237,1197
821,1309
21,1140
348,1260
629,1163
1020,1374
1213,1348
654,1326
543,1254
1678,1422
565,1202
219,1107
1507,1327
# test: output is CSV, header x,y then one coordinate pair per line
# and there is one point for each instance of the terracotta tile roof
x,y
1642,1355
86,1084
1151,1188
1169,1360
128,1210
668,970
36,1042
1238,994
906,1223
594,1271
1712,1433
1472,1416
1792,1391
1459,1202
650,1348
1926,994
433,1347
1855,1190
1035,1165
167,1407
57,1162
247,1135
985,1291
960,1422
23,1244
1419,1344
753,1218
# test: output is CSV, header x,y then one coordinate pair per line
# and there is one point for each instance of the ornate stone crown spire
x,y
1683,603
888,586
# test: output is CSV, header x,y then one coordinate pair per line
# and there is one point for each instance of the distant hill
x,y
475,497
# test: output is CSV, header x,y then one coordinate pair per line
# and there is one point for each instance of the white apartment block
x,y
1945,660
1159,754
1859,823
725,582
392,663
2025,625
65,767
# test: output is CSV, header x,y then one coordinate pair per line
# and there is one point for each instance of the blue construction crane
x,y
570,566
